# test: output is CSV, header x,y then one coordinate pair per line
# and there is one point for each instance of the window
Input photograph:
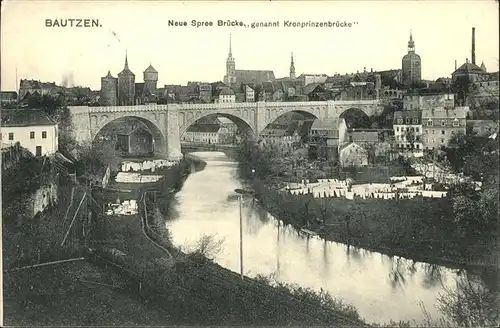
x,y
417,146
442,123
432,131
11,136
32,135
38,150
400,121
417,129
397,129
429,123
442,140
44,134
412,129
443,132
455,122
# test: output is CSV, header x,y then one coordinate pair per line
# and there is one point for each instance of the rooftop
x,y
25,117
458,112
469,68
325,124
226,92
407,114
150,69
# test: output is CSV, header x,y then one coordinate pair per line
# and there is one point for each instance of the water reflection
x,y
397,274
382,288
432,276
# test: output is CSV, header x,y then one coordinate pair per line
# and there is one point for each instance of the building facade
x,y
205,92
408,132
208,137
249,94
324,138
136,142
306,79
33,130
8,97
420,102
440,125
227,132
226,96
30,87
352,154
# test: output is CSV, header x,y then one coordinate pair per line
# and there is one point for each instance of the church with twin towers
x,y
123,89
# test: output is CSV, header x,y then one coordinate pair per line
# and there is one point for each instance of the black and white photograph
x,y
249,163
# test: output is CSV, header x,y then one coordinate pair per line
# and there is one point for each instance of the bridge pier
x,y
172,135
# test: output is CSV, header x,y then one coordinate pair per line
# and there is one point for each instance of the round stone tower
x,y
109,86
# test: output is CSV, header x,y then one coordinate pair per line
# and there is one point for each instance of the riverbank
x,y
31,240
418,229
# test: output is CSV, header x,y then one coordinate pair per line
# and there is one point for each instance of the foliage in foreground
x,y
321,297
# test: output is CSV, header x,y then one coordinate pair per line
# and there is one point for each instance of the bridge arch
x,y
113,125
355,117
306,114
243,125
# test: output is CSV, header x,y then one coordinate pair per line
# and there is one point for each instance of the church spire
x,y
126,60
292,68
230,48
411,44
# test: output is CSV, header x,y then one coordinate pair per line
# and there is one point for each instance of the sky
x,y
378,38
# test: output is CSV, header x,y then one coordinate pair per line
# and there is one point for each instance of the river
x,y
380,287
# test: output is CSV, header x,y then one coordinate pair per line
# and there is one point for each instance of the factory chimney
x,y
474,45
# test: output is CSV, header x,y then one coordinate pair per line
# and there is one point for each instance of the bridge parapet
x,y
216,106
124,109
294,104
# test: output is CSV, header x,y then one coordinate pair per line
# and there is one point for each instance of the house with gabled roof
x,y
32,129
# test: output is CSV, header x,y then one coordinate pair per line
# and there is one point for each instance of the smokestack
x,y
474,45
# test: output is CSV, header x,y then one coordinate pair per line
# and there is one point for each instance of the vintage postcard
x,y
250,163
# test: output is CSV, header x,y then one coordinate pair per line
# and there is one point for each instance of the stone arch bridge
x,y
167,123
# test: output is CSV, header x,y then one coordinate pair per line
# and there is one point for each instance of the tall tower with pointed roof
x,y
109,90
411,65
150,80
292,69
126,86
230,77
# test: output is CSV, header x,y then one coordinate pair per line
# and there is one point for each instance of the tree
x,y
470,304
93,159
207,248
461,88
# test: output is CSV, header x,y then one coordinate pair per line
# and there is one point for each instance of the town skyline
x,y
182,54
